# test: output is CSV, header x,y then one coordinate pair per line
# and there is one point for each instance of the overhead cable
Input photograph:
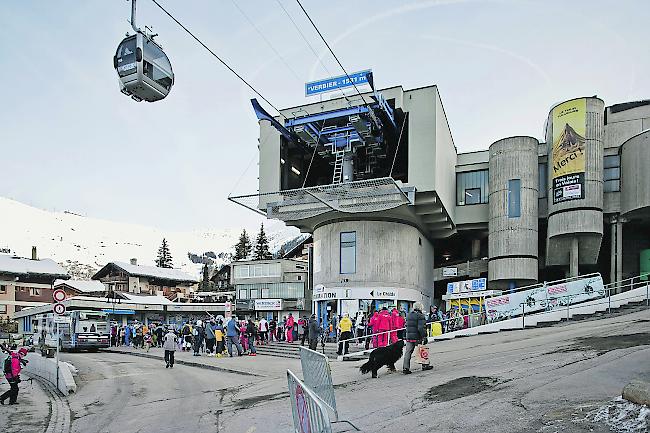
x,y
217,57
331,51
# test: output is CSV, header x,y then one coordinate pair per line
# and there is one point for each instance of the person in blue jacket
x,y
232,336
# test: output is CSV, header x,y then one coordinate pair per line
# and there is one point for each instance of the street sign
x,y
60,319
59,309
58,295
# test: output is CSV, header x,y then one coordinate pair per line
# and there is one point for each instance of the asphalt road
x,y
564,378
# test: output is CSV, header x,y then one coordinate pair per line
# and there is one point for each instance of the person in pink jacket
x,y
289,328
372,324
383,324
11,368
396,322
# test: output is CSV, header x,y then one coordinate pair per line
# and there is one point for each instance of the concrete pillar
x,y
612,266
619,251
476,248
573,260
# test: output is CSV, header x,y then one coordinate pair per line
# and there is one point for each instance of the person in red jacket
x,y
383,325
397,322
11,368
372,324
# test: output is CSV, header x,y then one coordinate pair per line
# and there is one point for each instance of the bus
x,y
78,329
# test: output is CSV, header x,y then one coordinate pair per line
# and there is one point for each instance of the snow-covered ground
x,y
83,244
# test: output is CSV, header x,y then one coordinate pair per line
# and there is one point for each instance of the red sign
x,y
58,295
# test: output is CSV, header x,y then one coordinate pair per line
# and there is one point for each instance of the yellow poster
x,y
568,150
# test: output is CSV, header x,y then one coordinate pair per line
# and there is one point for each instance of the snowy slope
x,y
83,244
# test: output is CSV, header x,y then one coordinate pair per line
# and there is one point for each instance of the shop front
x,y
338,301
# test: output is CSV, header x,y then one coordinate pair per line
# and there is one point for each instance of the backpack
x,y
6,366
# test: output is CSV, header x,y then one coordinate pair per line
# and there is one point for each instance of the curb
x,y
187,363
637,391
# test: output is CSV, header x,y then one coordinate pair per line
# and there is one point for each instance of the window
x,y
255,293
35,292
3,289
348,252
612,173
275,290
473,196
260,270
156,65
542,180
472,187
126,64
3,309
265,293
243,294
514,198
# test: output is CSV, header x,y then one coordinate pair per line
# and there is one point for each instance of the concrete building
x,y
271,288
173,284
397,213
26,283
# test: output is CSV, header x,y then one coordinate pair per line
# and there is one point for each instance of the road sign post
x,y
59,310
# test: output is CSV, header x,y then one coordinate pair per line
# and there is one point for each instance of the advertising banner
x,y
475,285
268,304
542,297
568,150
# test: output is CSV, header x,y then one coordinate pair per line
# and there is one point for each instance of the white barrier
x,y
46,369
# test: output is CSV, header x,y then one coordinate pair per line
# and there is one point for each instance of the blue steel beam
x,y
328,115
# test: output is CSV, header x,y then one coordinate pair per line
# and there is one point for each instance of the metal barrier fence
x,y
309,413
318,377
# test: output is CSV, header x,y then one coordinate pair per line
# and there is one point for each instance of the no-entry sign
x,y
59,309
58,295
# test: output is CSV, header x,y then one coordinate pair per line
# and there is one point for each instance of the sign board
x,y
117,311
333,83
268,304
60,319
449,272
545,297
475,285
59,309
58,295
568,150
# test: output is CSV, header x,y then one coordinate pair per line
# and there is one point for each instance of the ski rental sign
x,y
545,297
333,83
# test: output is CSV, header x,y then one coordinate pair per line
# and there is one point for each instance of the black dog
x,y
381,356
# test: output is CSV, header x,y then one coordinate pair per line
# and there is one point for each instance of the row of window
x,y
257,270
472,186
271,291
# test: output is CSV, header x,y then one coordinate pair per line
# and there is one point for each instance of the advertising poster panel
x,y
542,297
568,150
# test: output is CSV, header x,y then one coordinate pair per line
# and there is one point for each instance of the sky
x,y
69,140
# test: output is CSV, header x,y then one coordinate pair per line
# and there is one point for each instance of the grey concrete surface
x,y
564,378
31,414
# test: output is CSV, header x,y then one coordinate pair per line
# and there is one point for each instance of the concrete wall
x,y
579,219
421,106
388,254
635,176
46,369
512,241
446,157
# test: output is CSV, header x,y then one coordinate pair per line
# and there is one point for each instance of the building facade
x,y
173,284
26,283
271,288
396,213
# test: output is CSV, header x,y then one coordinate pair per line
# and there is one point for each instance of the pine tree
x,y
262,246
243,247
164,259
205,284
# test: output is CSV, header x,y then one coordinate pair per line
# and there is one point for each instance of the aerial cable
x,y
217,57
331,51
259,32
398,142
320,131
304,38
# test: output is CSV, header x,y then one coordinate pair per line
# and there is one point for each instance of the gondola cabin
x,y
143,68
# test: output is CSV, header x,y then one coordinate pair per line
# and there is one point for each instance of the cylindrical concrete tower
x,y
635,181
514,191
574,135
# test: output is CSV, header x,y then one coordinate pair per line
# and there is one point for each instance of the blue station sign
x,y
334,83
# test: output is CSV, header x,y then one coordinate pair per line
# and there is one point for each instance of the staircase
x,y
292,351
338,167
635,293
